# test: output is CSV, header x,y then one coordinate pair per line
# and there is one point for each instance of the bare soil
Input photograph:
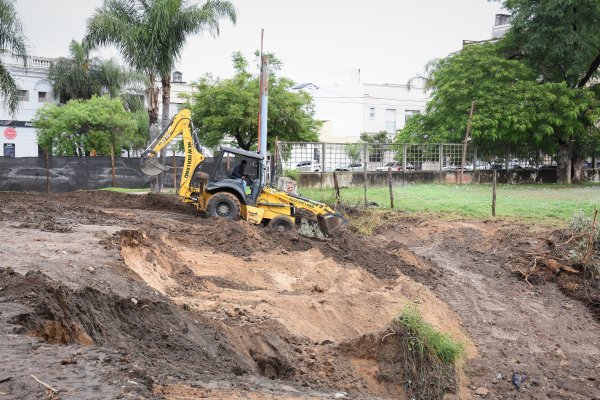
x,y
109,295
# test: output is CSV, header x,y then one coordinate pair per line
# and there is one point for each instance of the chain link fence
x,y
427,177
374,157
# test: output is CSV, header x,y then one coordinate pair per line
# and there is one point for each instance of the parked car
x,y
351,167
451,167
479,165
392,165
308,166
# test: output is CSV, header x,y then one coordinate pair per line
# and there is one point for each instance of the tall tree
x,y
513,106
561,40
81,127
12,40
80,76
228,108
151,34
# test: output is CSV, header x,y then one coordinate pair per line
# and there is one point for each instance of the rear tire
x,y
282,224
224,205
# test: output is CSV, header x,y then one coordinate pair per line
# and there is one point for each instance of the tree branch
x,y
593,68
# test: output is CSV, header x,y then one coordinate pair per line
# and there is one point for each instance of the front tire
x,y
224,205
281,224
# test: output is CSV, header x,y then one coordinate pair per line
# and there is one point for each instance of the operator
x,y
238,175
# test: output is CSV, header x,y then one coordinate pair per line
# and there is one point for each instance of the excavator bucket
x,y
152,166
329,223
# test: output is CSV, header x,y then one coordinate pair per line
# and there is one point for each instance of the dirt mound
x,y
163,339
402,364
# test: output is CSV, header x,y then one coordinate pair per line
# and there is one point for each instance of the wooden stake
x,y
390,186
337,189
494,195
464,155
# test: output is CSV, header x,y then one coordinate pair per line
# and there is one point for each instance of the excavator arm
x,y
181,124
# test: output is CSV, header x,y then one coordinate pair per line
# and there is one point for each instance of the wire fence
x,y
373,157
426,178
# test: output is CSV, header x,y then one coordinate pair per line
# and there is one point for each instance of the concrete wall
x,y
356,179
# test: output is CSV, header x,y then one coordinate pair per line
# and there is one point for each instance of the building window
x,y
9,150
177,77
24,95
408,114
390,120
372,113
42,97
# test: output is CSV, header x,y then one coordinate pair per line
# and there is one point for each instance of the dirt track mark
x,y
537,331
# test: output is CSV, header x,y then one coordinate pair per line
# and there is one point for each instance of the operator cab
x,y
221,178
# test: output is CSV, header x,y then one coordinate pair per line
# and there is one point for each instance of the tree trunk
x,y
564,163
166,102
112,164
47,171
152,96
577,162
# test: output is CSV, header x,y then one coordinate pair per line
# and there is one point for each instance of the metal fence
x,y
373,157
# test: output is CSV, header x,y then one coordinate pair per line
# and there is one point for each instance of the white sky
x,y
389,40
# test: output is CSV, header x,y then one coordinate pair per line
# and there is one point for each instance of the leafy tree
x,y
11,40
559,39
376,144
81,127
150,35
228,108
512,106
353,151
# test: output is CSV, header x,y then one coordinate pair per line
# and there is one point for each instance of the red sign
x,y
10,133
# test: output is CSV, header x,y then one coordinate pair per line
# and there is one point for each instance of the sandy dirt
x,y
106,295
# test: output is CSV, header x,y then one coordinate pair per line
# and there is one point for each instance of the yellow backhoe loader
x,y
219,195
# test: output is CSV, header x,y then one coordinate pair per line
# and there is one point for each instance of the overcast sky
x,y
388,40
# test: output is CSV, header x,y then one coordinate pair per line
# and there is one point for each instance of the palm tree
x,y
11,40
80,76
150,35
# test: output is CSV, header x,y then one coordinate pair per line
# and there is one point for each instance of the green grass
x,y
423,336
538,203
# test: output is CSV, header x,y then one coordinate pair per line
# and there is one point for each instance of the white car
x,y
308,166
351,167
392,165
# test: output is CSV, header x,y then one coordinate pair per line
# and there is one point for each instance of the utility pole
x,y
264,105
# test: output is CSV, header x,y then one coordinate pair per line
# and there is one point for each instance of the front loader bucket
x,y
152,166
329,223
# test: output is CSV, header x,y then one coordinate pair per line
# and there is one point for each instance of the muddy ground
x,y
107,295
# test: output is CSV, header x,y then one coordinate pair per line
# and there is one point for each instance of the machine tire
x,y
282,224
224,205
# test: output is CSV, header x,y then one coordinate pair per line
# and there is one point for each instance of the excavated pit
x,y
188,298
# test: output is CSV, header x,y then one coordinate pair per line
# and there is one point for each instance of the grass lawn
x,y
539,203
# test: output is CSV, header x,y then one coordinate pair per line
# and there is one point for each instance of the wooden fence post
x,y
390,186
337,189
366,159
494,194
112,164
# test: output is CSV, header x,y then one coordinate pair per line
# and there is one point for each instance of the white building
x,y
18,138
351,108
